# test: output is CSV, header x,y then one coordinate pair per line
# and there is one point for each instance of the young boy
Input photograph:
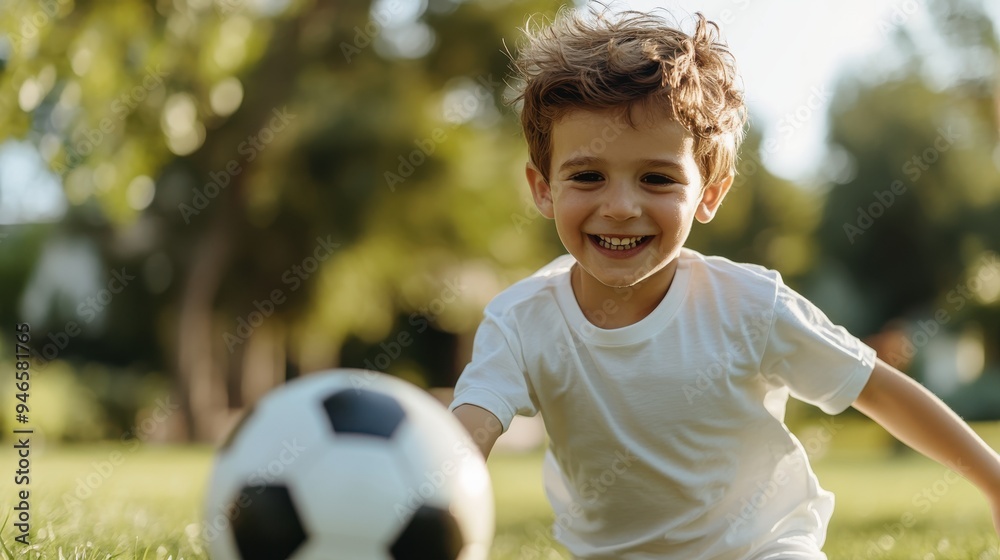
x,y
663,374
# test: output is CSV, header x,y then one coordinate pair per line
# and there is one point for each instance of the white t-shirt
x,y
667,438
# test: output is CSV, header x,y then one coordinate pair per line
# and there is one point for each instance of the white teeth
x,y
619,243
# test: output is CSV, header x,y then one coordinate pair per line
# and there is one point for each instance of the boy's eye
x,y
586,177
658,179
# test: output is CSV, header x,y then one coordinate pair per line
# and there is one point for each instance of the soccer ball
x,y
353,465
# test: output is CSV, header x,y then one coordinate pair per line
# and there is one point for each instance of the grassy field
x,y
99,501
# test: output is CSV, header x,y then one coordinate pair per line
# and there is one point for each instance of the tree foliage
x,y
299,185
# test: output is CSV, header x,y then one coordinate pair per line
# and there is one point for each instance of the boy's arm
x,y
481,424
919,419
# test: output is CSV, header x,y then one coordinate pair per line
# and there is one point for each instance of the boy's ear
x,y
711,199
540,190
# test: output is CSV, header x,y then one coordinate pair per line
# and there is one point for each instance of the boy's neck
x,y
611,308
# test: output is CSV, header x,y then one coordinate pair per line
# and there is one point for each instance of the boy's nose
x,y
621,202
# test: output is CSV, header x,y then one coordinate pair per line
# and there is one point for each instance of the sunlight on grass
x,y
92,502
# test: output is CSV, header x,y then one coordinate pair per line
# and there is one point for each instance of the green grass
x,y
147,506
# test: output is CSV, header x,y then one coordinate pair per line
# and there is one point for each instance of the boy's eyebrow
x,y
579,161
583,161
663,163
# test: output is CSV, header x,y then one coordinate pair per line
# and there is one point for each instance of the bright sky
x,y
791,54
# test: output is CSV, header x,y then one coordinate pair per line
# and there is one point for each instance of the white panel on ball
x,y
356,465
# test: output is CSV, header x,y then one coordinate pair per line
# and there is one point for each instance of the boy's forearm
x,y
481,424
919,419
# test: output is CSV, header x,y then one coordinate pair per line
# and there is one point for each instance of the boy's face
x,y
623,199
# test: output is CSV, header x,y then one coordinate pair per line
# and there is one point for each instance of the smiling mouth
x,y
619,243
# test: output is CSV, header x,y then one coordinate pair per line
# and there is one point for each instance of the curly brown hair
x,y
616,61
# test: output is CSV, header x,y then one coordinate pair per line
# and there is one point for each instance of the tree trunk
x,y
263,366
201,371
202,388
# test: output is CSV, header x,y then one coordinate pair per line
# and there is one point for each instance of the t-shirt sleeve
x,y
496,379
820,362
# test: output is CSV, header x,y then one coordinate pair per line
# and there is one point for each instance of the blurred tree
x,y
306,172
912,224
299,185
765,219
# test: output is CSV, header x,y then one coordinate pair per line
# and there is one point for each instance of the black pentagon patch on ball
x,y
357,411
265,524
431,534
228,442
